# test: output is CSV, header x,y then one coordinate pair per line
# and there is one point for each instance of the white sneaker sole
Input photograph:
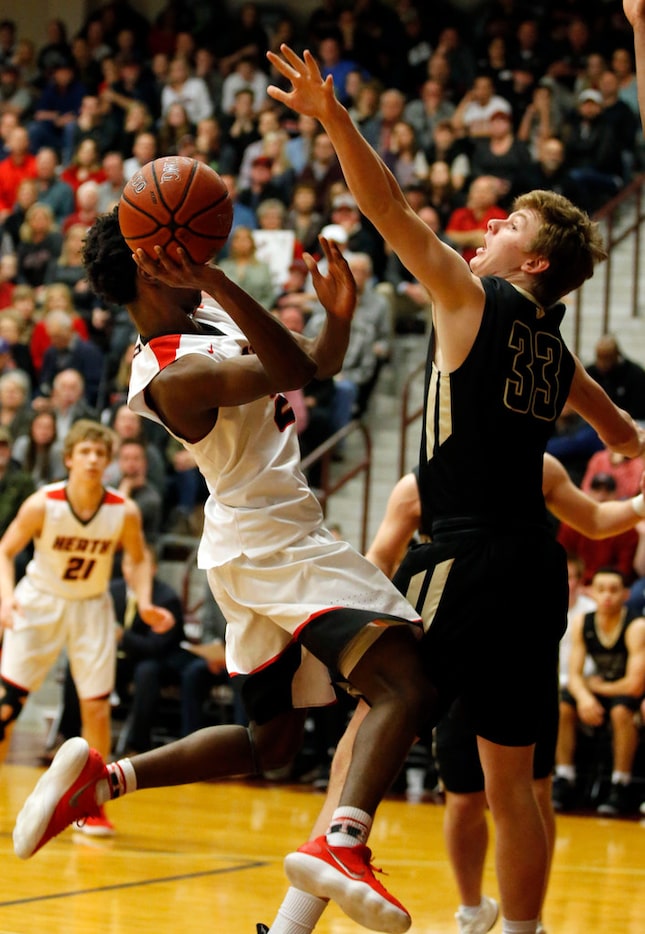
x,y
37,811
359,902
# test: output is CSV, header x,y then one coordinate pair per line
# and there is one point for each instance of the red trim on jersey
x,y
57,494
165,349
113,498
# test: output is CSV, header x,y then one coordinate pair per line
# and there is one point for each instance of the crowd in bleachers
x,y
467,109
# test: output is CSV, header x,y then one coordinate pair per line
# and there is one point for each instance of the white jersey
x,y
259,499
73,558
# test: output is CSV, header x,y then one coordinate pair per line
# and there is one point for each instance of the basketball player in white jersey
x,y
63,601
297,601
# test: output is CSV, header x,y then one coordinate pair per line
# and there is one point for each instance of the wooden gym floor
x,y
208,858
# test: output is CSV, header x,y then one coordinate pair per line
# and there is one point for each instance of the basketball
x,y
176,202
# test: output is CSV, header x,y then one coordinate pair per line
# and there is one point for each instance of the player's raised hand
x,y
180,273
336,289
311,94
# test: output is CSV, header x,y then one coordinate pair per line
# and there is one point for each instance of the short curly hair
x,y
111,271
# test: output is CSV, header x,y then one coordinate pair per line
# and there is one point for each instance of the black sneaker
x,y
563,794
619,801
261,929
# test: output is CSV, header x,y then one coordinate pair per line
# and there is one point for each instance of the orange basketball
x,y
176,202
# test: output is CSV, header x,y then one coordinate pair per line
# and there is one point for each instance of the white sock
x,y
621,778
298,913
519,927
349,827
566,771
470,911
121,780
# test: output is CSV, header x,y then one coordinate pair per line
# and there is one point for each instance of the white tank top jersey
x,y
72,558
259,499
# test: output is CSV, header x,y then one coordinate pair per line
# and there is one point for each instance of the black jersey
x,y
610,660
487,424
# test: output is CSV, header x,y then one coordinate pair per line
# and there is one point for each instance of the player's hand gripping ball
x,y
176,202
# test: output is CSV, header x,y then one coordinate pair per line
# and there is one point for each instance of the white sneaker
x,y
481,922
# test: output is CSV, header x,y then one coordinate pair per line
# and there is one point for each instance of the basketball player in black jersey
x,y
615,639
498,376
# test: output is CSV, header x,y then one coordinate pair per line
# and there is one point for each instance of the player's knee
x,y
12,699
276,744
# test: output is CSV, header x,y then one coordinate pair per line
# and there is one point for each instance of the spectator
x,y
466,226
132,481
8,273
261,185
15,397
55,50
267,125
14,95
248,75
69,269
243,267
67,401
299,147
129,426
405,157
390,112
548,171
40,244
11,331
622,64
173,128
87,206
138,119
16,484
239,129
147,661
183,89
39,451
322,170
69,351
133,83
616,551
594,159
144,150
622,120
440,192
622,379
302,216
206,671
95,124
52,191
85,166
427,110
332,61
615,641
57,110
445,147
361,236
500,155
56,297
475,109
19,164
8,123
26,195
243,215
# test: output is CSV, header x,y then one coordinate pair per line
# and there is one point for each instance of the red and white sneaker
x,y
345,874
98,826
63,795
